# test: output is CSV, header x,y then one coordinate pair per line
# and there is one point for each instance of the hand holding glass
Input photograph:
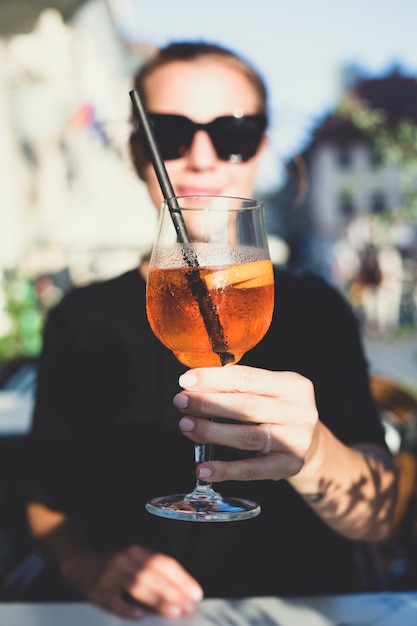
x,y
210,300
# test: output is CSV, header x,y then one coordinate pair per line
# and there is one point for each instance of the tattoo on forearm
x,y
313,497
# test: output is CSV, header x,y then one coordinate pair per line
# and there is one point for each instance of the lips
x,y
198,191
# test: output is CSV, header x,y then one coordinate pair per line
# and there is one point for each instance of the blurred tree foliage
x,y
24,335
394,144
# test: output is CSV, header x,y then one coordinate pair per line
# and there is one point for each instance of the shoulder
x,y
112,295
121,286
307,286
316,308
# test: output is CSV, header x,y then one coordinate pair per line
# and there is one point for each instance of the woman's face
x,y
202,91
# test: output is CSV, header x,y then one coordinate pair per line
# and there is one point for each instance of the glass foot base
x,y
183,507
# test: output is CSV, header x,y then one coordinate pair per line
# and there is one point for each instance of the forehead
x,y
200,89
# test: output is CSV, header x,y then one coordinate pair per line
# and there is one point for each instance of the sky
x,y
299,46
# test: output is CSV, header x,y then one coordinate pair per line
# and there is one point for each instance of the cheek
x,y
154,188
173,169
243,177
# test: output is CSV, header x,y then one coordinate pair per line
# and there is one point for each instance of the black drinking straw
x,y
145,126
197,285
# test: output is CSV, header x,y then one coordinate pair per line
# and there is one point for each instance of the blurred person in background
x,y
107,433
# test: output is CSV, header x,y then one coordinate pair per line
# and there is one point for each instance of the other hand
x,y
133,580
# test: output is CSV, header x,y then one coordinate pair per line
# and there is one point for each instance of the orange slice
x,y
242,276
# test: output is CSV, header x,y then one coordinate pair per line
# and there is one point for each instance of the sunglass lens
x,y
237,138
173,135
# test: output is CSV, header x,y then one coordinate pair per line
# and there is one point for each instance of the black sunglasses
x,y
235,139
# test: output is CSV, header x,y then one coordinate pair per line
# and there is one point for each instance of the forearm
x,y
122,581
57,536
353,489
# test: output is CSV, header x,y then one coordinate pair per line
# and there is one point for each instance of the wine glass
x,y
209,299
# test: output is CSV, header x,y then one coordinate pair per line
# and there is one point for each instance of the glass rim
x,y
246,203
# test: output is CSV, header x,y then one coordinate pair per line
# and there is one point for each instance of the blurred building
x,y
344,177
68,195
341,199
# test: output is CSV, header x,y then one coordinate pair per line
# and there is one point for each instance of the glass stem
x,y
203,490
203,452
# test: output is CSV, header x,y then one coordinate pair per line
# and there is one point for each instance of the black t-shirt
x,y
106,439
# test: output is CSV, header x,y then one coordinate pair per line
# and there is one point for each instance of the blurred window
x,y
347,204
344,159
378,203
375,158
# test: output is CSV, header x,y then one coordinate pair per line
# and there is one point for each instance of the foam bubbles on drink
x,y
206,254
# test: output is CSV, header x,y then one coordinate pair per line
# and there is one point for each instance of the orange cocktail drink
x,y
242,295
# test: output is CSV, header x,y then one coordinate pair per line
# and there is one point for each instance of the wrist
x,y
308,482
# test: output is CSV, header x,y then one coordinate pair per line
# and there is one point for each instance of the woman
x,y
106,434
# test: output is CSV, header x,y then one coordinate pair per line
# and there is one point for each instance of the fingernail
x,y
196,593
187,380
181,401
204,472
186,424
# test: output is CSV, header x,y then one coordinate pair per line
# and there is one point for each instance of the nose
x,y
201,154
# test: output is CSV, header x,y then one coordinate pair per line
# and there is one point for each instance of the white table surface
x,y
380,609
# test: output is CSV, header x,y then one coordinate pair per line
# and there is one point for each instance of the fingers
x,y
276,459
166,587
256,438
274,467
135,581
242,379
243,407
244,394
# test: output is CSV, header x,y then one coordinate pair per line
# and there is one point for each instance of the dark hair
x,y
191,51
